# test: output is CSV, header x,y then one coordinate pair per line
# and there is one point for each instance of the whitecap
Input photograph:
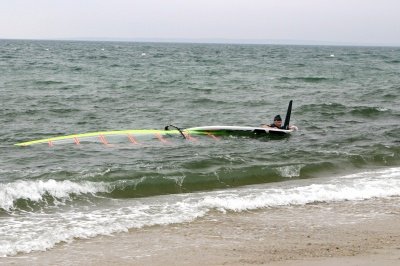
x,y
36,190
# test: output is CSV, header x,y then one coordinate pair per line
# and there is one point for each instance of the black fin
x,y
288,113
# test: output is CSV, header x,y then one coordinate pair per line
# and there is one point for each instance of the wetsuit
x,y
273,125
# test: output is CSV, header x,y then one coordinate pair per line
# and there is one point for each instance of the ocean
x,y
347,148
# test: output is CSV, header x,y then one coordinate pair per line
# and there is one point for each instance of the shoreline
x,y
340,233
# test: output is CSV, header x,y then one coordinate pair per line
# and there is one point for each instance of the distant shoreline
x,y
207,41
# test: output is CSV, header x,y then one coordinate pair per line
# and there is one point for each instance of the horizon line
x,y
211,41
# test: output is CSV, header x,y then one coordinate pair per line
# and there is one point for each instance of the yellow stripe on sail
x,y
94,134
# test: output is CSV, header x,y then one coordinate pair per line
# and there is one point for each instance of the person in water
x,y
277,122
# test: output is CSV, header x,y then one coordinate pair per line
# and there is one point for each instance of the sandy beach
x,y
345,233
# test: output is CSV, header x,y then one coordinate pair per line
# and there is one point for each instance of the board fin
x,y
287,118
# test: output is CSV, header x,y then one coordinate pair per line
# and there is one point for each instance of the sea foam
x,y
36,190
42,230
360,186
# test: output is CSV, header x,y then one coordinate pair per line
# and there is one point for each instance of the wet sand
x,y
345,233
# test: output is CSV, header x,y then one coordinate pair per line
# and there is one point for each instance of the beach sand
x,y
343,233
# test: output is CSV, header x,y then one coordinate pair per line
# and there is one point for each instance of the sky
x,y
355,22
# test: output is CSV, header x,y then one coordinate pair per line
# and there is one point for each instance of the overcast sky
x,y
334,21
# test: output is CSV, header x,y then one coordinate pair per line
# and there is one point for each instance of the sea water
x,y
345,106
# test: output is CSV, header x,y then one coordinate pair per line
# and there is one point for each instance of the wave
x,y
395,61
207,101
44,193
8,57
305,79
48,82
34,196
163,210
334,109
365,111
360,186
20,193
96,57
63,110
76,68
47,190
326,109
322,107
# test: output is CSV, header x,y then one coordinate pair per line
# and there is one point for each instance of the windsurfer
x,y
276,124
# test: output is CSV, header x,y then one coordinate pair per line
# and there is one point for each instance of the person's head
x,y
278,121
